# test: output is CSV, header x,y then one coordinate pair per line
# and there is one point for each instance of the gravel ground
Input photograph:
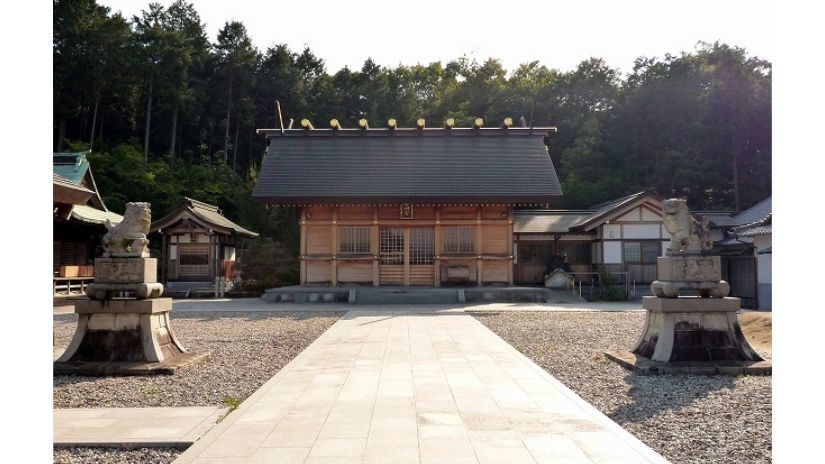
x,y
687,419
246,349
115,456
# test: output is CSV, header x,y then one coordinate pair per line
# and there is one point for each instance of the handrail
x,y
625,281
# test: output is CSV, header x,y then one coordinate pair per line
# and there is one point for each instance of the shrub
x,y
267,264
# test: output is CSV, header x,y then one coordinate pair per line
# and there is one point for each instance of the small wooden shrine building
x,y
198,243
402,207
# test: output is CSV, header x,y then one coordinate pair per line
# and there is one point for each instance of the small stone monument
x,y
131,334
690,334
559,280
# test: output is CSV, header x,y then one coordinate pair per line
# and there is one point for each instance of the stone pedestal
x,y
124,337
689,271
692,335
135,276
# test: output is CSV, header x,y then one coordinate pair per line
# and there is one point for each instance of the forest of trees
x,y
167,113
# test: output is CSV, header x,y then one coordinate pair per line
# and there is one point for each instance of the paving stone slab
x,y
415,386
132,428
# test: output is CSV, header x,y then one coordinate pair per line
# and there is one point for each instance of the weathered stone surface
x,y
687,235
691,268
559,279
128,238
153,306
98,369
123,337
689,271
693,330
690,304
126,270
688,334
645,366
142,291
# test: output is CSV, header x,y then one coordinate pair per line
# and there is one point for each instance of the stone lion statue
x,y
128,238
687,235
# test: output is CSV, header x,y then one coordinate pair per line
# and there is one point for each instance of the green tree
x,y
236,61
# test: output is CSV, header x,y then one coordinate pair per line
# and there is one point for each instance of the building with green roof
x,y
79,216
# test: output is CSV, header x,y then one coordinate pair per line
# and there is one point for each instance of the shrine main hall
x,y
407,206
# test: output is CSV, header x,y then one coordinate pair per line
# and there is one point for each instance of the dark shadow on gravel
x,y
653,395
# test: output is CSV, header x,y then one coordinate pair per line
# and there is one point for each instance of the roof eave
x,y
397,199
173,217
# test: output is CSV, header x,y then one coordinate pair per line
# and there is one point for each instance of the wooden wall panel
x,y
446,262
391,275
424,213
318,271
390,212
494,212
319,240
422,275
355,213
495,240
317,213
494,271
458,212
352,272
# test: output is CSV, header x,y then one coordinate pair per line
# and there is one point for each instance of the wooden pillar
x,y
333,264
211,259
303,250
510,245
375,247
164,258
479,264
406,256
437,248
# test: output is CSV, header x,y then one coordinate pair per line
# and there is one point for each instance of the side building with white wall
x,y
619,236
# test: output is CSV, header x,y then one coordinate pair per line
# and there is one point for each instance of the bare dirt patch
x,y
757,329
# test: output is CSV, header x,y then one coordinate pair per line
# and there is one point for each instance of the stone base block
x,y
123,331
126,270
124,368
142,291
645,366
689,268
691,329
710,289
124,306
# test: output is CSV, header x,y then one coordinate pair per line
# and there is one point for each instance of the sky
x,y
558,34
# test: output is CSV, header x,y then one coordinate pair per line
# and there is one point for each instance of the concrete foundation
x,y
417,295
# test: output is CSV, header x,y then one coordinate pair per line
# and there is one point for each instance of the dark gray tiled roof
x,y
755,213
717,218
439,169
760,227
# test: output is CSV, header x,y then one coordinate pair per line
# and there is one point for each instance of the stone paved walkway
x,y
414,387
133,427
